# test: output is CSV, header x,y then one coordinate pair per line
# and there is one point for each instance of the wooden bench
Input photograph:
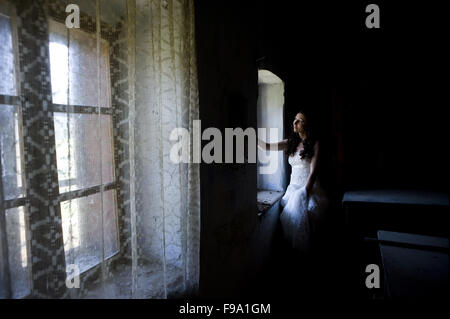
x,y
414,211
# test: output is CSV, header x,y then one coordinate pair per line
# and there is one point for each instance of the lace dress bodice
x,y
300,169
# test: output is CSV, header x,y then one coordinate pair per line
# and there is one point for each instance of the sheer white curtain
x,y
90,184
167,194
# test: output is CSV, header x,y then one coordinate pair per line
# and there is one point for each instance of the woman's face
x,y
299,123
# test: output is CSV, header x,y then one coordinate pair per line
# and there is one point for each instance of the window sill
x,y
266,199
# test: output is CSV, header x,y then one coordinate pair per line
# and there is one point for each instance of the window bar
x,y
4,263
67,109
16,202
80,109
85,192
99,89
131,17
9,99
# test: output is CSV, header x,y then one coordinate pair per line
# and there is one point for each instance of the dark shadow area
x,y
376,100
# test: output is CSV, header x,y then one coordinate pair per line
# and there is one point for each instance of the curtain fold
x,y
102,196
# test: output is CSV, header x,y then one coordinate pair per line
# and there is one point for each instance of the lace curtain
x,y
87,182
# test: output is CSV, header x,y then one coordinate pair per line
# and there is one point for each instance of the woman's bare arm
x,y
279,146
313,172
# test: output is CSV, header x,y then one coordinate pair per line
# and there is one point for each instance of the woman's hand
x,y
262,145
278,146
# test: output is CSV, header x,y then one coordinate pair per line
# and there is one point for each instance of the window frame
x,y
8,10
37,284
95,110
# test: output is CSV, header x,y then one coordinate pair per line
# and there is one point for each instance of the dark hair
x,y
294,140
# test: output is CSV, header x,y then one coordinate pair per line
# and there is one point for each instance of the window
x,y
77,185
79,143
14,250
83,133
270,114
84,145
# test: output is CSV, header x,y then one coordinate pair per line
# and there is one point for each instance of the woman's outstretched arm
x,y
279,146
313,172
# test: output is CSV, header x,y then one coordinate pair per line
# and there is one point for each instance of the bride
x,y
304,201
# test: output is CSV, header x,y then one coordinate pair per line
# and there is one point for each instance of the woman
x,y
304,201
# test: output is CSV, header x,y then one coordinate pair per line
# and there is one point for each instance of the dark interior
x,y
375,95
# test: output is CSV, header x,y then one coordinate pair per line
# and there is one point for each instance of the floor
x,y
333,270
148,283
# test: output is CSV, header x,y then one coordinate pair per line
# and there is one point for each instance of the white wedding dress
x,y
300,214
